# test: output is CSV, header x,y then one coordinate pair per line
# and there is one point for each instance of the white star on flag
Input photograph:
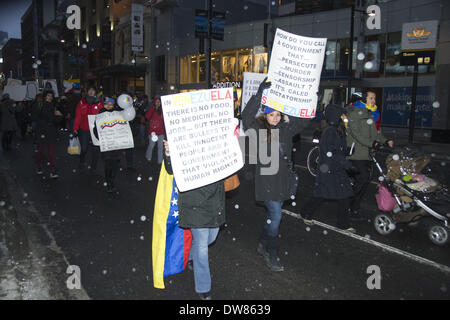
x,y
175,214
174,202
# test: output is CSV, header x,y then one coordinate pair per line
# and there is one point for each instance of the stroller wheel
x,y
384,224
438,234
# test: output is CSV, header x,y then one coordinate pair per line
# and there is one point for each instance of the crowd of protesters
x,y
202,210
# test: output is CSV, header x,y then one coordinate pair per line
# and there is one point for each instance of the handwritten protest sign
x,y
200,129
91,121
251,84
294,70
114,131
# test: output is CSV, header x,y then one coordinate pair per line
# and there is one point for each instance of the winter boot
x,y
272,260
262,246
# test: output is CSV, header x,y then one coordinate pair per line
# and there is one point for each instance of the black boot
x,y
262,245
272,260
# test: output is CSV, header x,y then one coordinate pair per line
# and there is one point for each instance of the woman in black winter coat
x,y
332,181
8,121
271,179
46,118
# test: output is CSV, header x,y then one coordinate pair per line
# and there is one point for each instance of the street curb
x,y
36,261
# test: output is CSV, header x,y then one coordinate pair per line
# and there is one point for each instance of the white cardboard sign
x,y
114,131
294,70
200,129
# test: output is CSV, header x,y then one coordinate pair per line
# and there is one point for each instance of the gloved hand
x,y
75,134
264,85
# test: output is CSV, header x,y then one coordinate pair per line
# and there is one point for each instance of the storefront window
x,y
193,70
244,63
215,66
374,51
202,69
330,59
184,70
228,65
393,54
260,62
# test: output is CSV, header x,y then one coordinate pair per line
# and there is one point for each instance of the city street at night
x,y
251,152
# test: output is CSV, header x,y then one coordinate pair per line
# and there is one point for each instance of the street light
x,y
350,55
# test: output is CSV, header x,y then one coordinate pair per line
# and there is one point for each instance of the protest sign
x,y
16,92
251,85
294,70
91,121
50,84
114,131
31,90
200,130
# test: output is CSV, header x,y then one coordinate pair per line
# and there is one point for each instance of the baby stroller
x,y
407,196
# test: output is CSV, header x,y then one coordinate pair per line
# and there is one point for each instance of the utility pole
x,y
350,55
412,114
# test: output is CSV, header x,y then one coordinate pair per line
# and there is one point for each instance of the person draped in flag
x,y
201,210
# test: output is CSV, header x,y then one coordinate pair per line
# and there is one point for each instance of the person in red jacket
x,y
89,105
156,130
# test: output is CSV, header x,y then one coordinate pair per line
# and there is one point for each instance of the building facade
x,y
12,58
375,62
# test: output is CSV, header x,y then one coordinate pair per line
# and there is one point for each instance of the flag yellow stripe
x,y
160,215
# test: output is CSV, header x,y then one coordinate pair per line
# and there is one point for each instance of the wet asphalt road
x,y
109,238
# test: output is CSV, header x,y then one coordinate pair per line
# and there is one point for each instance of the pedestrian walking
x,y
332,182
88,105
363,133
273,189
156,130
46,117
111,158
201,210
8,121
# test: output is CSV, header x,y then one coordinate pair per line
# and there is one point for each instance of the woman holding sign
x,y
202,210
272,187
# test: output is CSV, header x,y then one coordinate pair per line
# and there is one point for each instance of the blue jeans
x,y
273,218
202,238
86,143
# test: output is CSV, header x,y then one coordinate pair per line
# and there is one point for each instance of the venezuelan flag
x,y
170,243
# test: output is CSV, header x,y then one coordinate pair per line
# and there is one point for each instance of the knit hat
x,y
269,110
108,99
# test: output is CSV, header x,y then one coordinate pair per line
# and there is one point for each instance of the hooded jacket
x,y
274,187
332,181
8,119
156,121
46,122
84,109
362,131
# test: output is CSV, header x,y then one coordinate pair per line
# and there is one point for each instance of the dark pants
x,y
343,221
86,144
129,157
361,182
50,146
7,140
111,166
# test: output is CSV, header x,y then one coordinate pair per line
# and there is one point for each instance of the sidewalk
x,y
32,266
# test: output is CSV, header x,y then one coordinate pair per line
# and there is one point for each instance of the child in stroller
x,y
407,196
